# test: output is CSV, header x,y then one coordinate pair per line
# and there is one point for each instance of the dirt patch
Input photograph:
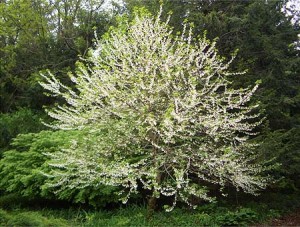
x,y
292,219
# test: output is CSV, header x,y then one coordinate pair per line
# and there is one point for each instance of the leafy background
x,y
39,35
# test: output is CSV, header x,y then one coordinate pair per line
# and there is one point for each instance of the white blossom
x,y
159,110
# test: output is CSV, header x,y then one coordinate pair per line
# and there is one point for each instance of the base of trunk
x,y
152,202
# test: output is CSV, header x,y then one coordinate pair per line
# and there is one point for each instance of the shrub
x,y
20,122
241,217
3,217
12,201
23,170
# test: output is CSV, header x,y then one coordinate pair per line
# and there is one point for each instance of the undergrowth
x,y
215,214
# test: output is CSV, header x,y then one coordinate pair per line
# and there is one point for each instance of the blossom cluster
x,y
160,111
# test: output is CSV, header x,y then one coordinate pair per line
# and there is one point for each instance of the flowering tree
x,y
159,112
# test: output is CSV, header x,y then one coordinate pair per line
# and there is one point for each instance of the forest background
x,y
41,35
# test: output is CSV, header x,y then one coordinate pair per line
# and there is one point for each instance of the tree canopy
x,y
165,114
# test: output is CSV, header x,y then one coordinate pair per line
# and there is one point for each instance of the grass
x,y
29,218
130,216
216,214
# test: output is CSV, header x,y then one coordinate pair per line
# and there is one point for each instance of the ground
x,y
292,219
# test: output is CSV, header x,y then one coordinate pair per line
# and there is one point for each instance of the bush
x,y
11,201
20,122
23,170
241,217
3,217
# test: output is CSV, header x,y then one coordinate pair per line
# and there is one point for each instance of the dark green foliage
x,y
284,146
240,217
20,122
12,201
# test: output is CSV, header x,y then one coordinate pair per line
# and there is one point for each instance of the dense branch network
x,y
159,111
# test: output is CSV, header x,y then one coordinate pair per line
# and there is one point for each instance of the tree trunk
x,y
152,202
